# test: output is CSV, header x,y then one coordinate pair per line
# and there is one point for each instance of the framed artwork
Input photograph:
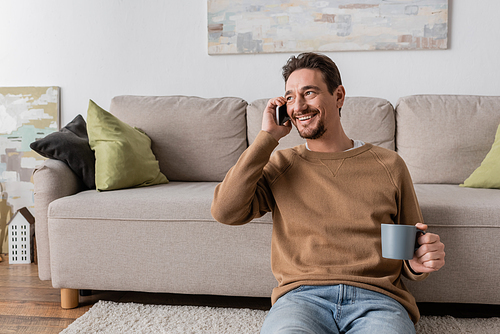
x,y
270,26
26,114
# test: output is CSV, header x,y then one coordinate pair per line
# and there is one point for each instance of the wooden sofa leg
x,y
69,298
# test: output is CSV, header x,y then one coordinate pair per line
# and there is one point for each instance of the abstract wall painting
x,y
271,26
26,114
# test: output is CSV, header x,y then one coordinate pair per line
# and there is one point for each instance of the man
x,y
329,198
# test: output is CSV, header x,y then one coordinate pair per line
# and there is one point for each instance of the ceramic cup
x,y
399,242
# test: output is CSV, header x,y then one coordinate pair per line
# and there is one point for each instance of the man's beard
x,y
317,132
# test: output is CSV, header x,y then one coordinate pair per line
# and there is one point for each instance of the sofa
x,y
162,238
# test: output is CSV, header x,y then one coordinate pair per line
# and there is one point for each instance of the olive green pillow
x,y
488,174
123,154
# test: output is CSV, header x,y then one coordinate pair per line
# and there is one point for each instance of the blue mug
x,y
399,242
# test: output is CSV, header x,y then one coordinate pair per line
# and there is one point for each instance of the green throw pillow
x,y
123,154
488,174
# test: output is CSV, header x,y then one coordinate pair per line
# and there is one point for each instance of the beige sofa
x,y
163,239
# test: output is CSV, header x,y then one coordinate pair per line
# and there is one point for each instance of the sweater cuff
x,y
410,274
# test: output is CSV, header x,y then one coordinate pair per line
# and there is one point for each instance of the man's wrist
x,y
411,269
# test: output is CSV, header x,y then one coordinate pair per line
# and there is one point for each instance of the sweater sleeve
x,y
244,193
410,214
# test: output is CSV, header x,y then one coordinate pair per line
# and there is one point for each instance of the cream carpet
x,y
111,317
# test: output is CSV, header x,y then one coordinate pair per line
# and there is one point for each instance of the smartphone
x,y
281,115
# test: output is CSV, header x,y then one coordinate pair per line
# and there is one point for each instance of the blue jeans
x,y
337,309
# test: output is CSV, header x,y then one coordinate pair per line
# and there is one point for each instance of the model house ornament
x,y
21,230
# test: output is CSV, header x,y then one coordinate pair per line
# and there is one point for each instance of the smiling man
x,y
329,198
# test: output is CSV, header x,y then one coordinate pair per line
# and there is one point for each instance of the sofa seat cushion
x,y
468,222
173,201
156,239
453,206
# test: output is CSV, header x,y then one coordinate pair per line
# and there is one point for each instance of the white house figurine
x,y
21,230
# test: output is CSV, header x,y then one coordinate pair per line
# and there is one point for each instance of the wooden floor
x,y
28,305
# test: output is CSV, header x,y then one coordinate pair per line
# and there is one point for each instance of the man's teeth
x,y
303,118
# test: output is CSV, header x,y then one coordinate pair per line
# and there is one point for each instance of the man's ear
x,y
340,96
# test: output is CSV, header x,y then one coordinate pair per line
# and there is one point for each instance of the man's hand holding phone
x,y
270,118
282,115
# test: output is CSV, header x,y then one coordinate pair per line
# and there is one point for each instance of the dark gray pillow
x,y
71,145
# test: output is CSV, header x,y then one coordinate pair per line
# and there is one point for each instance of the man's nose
x,y
299,105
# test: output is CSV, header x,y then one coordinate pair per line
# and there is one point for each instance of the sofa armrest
x,y
53,179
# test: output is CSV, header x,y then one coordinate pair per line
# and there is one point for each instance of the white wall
x,y
96,49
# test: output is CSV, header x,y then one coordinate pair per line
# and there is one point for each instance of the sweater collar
x,y
311,155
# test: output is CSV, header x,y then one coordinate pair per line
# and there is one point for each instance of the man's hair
x,y
310,60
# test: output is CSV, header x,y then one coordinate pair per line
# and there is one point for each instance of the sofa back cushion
x,y
368,119
444,138
193,138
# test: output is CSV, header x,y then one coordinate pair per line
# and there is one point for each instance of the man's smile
x,y
305,117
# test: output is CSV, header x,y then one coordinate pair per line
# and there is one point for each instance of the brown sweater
x,y
327,209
